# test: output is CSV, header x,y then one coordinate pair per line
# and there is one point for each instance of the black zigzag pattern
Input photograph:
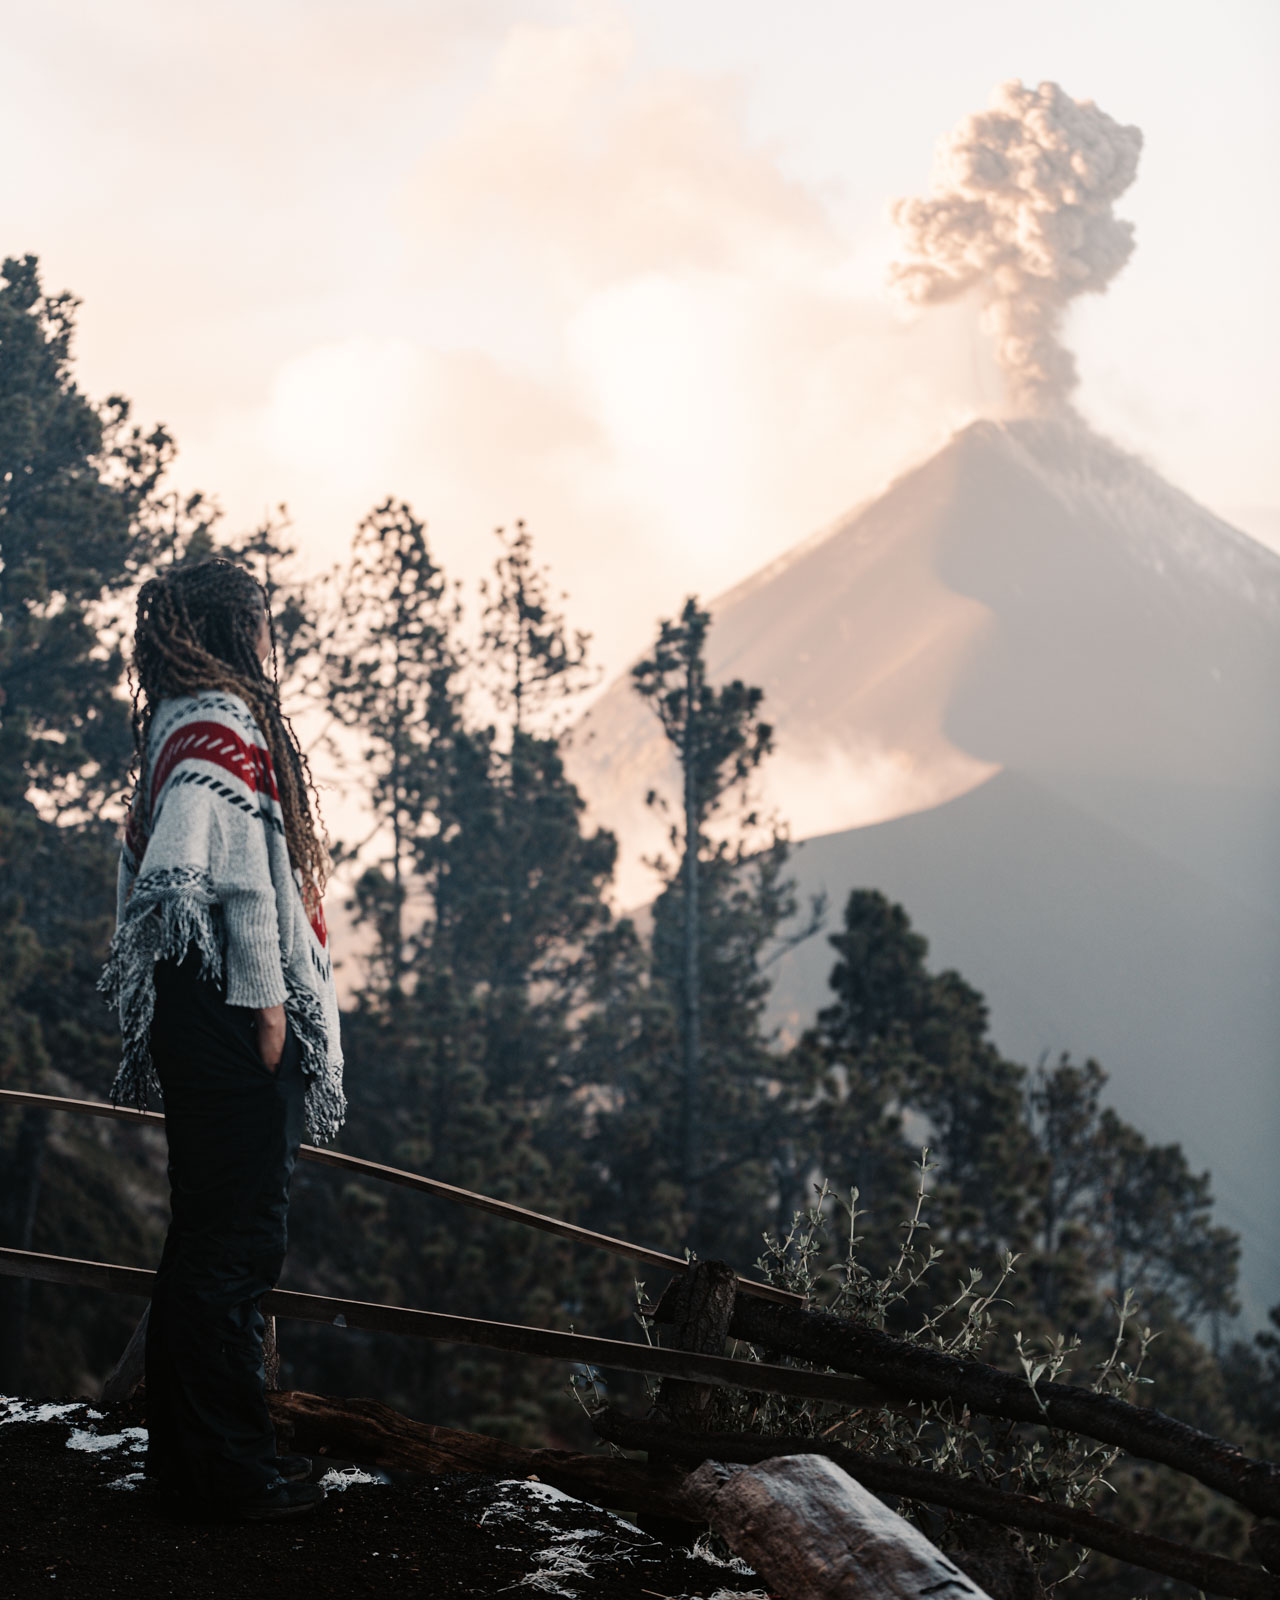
x,y
238,710
223,792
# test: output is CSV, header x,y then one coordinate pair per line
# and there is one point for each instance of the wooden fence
x,y
705,1304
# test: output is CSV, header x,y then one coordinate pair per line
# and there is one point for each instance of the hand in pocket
x,y
270,1030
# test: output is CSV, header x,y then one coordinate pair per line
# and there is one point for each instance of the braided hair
x,y
198,628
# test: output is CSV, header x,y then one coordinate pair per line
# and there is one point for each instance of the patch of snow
x,y
80,1417
87,1439
340,1478
572,1555
131,1480
537,1489
508,1507
15,1410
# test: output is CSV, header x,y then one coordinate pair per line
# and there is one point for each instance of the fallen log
x,y
917,1373
813,1533
377,1436
1212,1573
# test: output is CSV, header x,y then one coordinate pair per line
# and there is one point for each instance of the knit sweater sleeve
x,y
241,874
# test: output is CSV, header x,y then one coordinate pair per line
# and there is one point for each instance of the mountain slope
x,y
1084,941
1030,692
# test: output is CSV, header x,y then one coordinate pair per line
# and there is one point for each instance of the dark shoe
x,y
278,1500
294,1469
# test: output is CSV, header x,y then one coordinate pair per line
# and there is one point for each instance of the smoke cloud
x,y
1020,210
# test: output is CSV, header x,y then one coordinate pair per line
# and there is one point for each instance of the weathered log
x,y
699,1306
813,1533
1212,1573
912,1371
376,1436
127,1373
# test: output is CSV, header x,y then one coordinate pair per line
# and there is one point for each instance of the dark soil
x,y
64,1530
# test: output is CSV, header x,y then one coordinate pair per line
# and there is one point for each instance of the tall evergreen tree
x,y
390,668
78,498
534,658
1030,1163
80,509
1130,1214
903,1046
719,740
496,894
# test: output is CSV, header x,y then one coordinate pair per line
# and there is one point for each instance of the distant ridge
x,y
1033,648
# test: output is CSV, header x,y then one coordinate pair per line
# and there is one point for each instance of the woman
x,y
221,974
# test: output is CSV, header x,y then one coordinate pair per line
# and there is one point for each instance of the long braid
x,y
197,629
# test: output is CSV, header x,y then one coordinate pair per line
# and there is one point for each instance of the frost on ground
x,y
340,1478
134,1439
701,1551
581,1545
14,1410
131,1480
581,1539
473,1534
82,1435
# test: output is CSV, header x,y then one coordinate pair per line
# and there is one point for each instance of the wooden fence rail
x,y
787,1328
423,1185
442,1328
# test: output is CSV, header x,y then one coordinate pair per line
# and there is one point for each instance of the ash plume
x,y
1020,210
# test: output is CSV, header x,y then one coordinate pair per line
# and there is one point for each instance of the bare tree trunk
x,y
691,1031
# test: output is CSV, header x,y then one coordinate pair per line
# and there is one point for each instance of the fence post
x,y
270,1353
698,1308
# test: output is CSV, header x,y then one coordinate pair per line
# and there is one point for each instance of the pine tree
x,y
719,740
1134,1213
904,1046
489,894
534,658
78,492
390,671
79,512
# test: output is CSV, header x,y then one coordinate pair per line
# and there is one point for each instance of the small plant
x,y
1043,1462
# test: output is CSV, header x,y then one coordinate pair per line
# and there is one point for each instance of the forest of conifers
x,y
509,1031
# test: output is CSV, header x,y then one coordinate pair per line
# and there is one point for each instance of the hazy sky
x,y
615,267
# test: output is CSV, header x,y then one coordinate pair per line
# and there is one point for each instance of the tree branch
x,y
917,1373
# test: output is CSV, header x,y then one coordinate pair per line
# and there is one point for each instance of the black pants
x,y
234,1127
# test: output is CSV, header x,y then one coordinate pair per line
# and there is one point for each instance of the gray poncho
x,y
205,864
